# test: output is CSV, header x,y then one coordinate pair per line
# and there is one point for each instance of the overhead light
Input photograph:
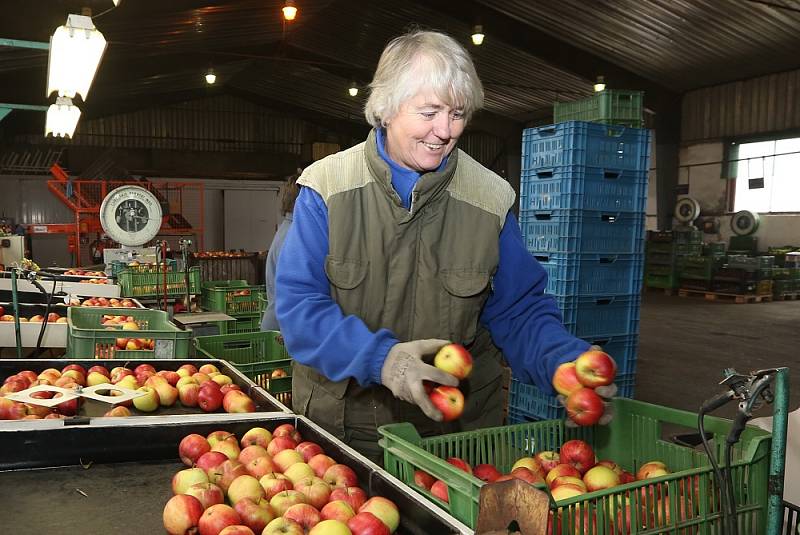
x,y
477,35
117,2
62,118
75,52
289,10
353,89
600,85
211,78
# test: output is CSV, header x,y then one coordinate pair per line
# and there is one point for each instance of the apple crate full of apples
x,y
139,283
130,333
261,356
211,388
624,478
229,265
277,474
233,297
31,317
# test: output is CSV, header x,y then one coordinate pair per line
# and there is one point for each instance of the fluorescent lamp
x,y
211,77
353,89
600,85
289,10
62,118
477,35
75,52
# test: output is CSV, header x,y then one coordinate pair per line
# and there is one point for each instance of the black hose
x,y
718,475
38,350
732,520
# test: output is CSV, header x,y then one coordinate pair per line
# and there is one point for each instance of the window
x,y
768,176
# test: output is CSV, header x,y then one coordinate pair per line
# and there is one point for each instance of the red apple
x,y
260,466
384,509
320,464
304,514
227,388
366,523
257,436
579,454
548,460
76,367
189,369
216,518
531,464
218,436
560,471
340,475
283,526
612,465
30,375
280,443
449,401
283,500
274,483
460,464
236,401
210,460
355,497
238,529
585,407
192,447
255,514
186,478
337,510
208,493
209,399
563,492
424,479
308,450
189,395
565,380
652,469
171,376
288,430
600,477
245,486
118,412
455,360
226,473
182,514
568,480
595,368
315,489
439,489
144,367
486,472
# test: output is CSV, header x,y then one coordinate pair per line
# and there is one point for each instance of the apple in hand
x,y
448,400
595,368
565,380
585,407
455,360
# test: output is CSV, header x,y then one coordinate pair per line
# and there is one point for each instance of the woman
x,y
401,244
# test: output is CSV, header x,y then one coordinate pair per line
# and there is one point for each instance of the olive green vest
x,y
421,273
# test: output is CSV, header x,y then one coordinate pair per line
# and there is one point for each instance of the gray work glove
x,y
404,371
605,392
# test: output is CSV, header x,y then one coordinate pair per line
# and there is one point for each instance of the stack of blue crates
x,y
583,194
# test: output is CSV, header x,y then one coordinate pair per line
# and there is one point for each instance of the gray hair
x,y
420,60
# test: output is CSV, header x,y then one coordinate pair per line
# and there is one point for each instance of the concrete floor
x,y
686,343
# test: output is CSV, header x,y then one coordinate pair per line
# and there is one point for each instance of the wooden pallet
x,y
736,298
786,297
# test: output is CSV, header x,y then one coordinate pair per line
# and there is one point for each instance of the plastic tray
x,y
582,231
263,401
88,338
257,355
613,106
600,317
151,284
634,437
584,143
592,274
128,468
220,296
583,188
245,323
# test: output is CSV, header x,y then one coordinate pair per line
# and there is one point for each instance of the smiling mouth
x,y
434,146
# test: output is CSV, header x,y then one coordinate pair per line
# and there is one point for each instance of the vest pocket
x,y
466,291
346,276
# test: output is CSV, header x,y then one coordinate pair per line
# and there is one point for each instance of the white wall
x,y
711,191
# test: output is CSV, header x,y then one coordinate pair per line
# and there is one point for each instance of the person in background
x,y
288,196
401,244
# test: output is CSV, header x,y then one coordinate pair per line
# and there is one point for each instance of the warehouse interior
x,y
212,104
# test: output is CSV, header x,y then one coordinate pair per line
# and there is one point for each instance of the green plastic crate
x,y
135,283
661,281
117,267
659,269
245,323
257,355
232,297
608,107
634,437
747,244
88,338
661,247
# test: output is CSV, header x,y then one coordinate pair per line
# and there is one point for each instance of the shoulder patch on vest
x,y
343,171
481,187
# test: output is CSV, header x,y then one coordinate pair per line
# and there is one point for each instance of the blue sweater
x,y
268,321
524,323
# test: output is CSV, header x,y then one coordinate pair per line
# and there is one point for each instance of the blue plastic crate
x,y
583,143
592,274
582,231
598,317
528,403
576,187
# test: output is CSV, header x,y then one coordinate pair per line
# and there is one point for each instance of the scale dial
x,y
131,216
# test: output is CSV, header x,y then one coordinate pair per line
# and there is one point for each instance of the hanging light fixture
x,y
75,52
353,89
289,10
600,85
62,118
477,35
211,77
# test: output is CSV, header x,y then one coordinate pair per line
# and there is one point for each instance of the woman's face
x,y
423,132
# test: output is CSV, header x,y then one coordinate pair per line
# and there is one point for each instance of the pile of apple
x,y
457,361
577,381
84,273
52,317
221,254
205,387
270,483
112,302
127,323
